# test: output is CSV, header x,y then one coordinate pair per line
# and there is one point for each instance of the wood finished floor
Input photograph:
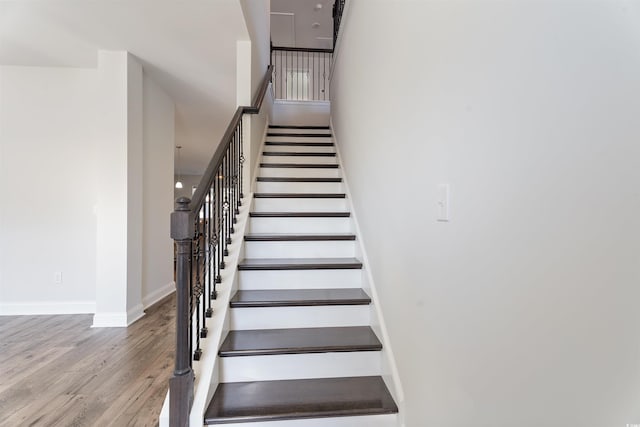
x,y
58,371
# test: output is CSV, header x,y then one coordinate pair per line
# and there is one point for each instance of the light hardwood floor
x,y
58,371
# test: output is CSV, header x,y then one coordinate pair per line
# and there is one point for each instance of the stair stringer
x,y
255,173
390,372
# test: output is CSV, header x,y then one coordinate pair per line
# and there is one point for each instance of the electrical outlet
x,y
57,277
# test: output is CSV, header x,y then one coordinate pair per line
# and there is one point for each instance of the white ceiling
x,y
292,23
188,47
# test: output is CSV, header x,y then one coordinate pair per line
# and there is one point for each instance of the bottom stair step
x,y
299,399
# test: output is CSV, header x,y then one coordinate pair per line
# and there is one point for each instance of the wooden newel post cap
x,y
182,203
181,224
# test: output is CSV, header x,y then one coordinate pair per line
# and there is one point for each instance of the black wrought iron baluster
x,y
298,79
324,76
241,163
308,82
338,9
225,205
196,286
234,177
281,71
221,225
208,255
215,206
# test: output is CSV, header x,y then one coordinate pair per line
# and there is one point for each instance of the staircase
x,y
300,350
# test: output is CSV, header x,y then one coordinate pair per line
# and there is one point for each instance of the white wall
x,y
313,113
73,190
113,209
157,259
522,310
48,190
256,14
135,193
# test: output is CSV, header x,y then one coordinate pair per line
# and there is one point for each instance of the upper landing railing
x,y
303,74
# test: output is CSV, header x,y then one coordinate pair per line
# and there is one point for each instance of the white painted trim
x,y
135,313
158,294
110,320
256,167
303,103
163,418
46,308
395,388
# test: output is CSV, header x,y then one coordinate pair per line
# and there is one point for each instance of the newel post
x,y
181,383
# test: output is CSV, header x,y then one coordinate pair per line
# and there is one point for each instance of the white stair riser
x,y
301,172
299,159
299,205
299,317
300,148
300,138
386,420
299,187
299,366
295,130
300,279
300,225
311,249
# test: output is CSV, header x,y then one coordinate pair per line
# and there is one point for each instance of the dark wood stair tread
x,y
296,179
263,342
300,214
300,135
299,297
301,165
299,143
288,237
299,195
297,399
298,127
298,153
252,264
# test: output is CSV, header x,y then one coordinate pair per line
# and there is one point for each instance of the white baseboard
x,y
134,313
116,319
158,294
46,308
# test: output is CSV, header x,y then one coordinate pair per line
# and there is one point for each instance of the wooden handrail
x,y
262,91
301,49
209,173
205,225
